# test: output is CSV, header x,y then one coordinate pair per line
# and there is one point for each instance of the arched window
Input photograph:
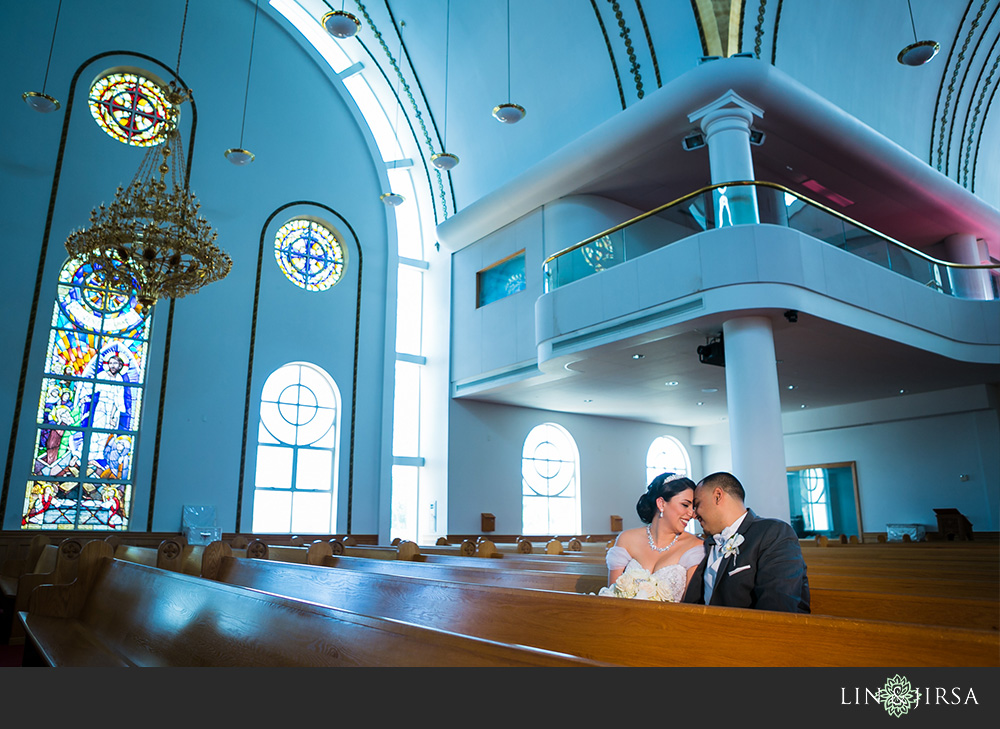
x,y
667,454
88,411
815,499
295,489
550,488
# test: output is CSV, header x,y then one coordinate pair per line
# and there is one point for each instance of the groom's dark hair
x,y
725,481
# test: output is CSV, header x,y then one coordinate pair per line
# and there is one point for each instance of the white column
x,y
726,124
968,283
754,404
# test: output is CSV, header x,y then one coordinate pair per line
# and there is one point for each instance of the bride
x,y
656,562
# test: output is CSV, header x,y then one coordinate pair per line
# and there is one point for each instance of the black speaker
x,y
713,353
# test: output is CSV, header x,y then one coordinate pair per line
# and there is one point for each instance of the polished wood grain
x,y
625,632
132,614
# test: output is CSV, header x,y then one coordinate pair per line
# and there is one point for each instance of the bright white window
x,y
815,493
667,454
550,488
295,487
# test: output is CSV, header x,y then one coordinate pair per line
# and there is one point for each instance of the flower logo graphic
x,y
897,696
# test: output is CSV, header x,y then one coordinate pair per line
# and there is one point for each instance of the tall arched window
x,y
550,482
88,411
666,454
295,488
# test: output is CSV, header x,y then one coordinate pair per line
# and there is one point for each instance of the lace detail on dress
x,y
664,585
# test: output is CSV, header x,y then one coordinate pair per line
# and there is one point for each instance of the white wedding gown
x,y
670,579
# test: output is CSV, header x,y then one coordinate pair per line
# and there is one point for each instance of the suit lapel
x,y
726,562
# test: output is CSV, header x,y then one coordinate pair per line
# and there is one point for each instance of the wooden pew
x,y
120,614
10,572
63,571
473,574
622,632
976,612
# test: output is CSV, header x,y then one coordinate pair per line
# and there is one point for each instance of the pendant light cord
x,y
912,24
51,47
246,94
508,50
180,47
447,43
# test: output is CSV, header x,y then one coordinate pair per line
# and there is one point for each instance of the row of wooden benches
x,y
853,592
355,611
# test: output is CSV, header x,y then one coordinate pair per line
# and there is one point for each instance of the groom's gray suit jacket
x,y
767,574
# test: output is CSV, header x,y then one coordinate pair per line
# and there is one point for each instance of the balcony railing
x,y
735,203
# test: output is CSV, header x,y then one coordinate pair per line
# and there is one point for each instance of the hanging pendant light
x,y
919,52
39,100
445,160
238,155
392,199
341,24
509,113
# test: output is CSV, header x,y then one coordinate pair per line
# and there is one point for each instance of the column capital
x,y
729,105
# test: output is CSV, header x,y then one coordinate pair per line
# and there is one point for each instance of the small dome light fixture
x,y
392,199
341,24
42,103
919,53
444,160
508,113
239,157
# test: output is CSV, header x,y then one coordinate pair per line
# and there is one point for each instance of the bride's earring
x,y
661,513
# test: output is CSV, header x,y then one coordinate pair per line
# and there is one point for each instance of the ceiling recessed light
x,y
588,401
672,383
710,389
901,391
638,356
701,403
803,406
791,387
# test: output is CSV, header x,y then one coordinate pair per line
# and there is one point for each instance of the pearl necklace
x,y
652,544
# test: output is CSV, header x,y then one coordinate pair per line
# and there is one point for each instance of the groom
x,y
749,562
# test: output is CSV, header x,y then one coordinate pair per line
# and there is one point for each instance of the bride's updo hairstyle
x,y
667,485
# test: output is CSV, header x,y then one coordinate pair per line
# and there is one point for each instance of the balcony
x,y
735,203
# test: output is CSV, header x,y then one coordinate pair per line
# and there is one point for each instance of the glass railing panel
x,y
739,203
638,238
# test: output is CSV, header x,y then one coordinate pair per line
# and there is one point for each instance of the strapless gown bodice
x,y
665,584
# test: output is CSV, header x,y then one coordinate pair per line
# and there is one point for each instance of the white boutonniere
x,y
732,546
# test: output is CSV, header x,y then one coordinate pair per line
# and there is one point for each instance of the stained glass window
x,y
131,108
295,489
310,254
89,407
550,464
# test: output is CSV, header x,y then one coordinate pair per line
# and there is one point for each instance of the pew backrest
x,y
623,632
129,616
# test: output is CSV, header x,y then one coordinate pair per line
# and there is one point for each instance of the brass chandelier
x,y
151,239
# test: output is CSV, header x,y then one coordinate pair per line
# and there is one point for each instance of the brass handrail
x,y
775,186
